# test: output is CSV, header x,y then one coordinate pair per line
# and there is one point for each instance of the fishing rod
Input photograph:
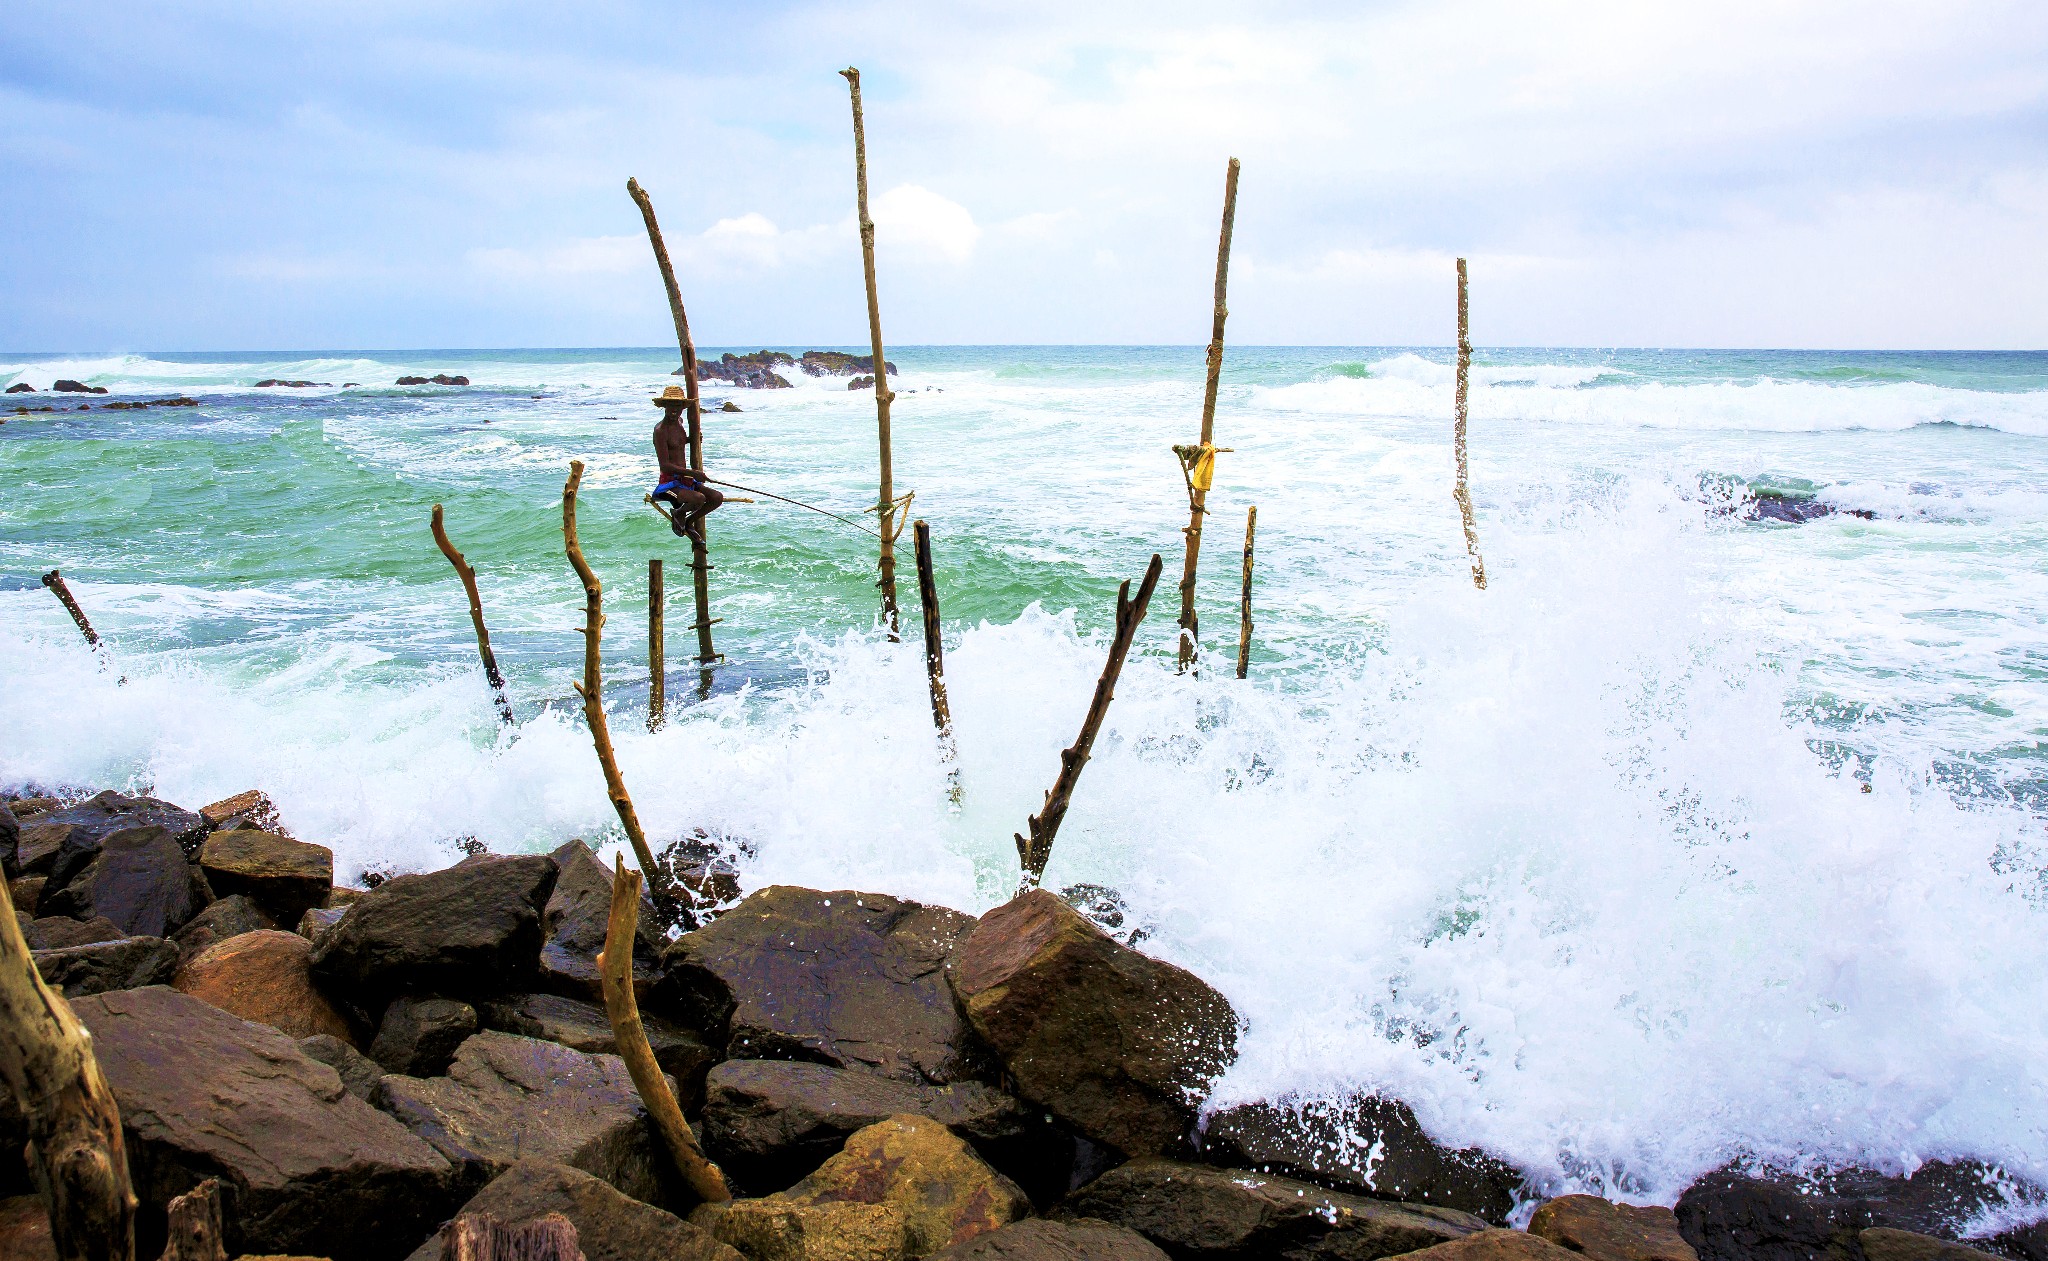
x,y
796,503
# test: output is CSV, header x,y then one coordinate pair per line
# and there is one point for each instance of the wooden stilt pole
x,y
1244,600
1462,493
75,1149
1045,825
657,648
885,503
934,644
1198,462
615,971
54,580
476,617
700,556
672,901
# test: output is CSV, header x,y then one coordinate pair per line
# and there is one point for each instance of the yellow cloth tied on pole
x,y
1202,469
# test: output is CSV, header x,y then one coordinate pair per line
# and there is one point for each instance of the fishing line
x,y
797,503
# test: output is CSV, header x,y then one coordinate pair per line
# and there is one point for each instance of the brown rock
x,y
419,1036
1036,1239
104,966
471,928
60,931
285,877
25,1230
61,842
1883,1243
136,877
227,917
609,1226
1607,1231
1120,1046
27,892
574,922
251,809
586,1027
1493,1245
263,976
769,1230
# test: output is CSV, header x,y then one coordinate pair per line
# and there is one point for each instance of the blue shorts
x,y
680,483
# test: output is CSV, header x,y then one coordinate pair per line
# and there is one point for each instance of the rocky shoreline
x,y
878,1079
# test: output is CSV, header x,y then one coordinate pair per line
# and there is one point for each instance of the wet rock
x,y
30,807
508,1098
586,1027
21,387
291,385
312,1170
10,843
263,976
419,1036
470,929
138,878
226,917
1120,1046
358,1072
1883,1243
25,1230
1606,1231
1036,1239
412,380
941,1191
251,809
287,878
78,387
855,980
1495,1245
1730,1215
754,372
861,383
771,1122
126,964
61,931
313,925
26,891
609,1226
1194,1211
61,842
769,1230
443,379
1369,1144
575,921
728,406
835,363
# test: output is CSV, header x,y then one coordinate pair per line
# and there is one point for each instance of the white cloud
x,y
915,218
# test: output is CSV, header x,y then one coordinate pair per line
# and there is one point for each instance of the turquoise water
x,y
1583,865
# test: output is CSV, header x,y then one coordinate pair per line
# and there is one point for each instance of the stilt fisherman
x,y
688,496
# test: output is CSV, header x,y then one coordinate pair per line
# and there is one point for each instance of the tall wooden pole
x,y
1244,599
476,618
885,503
700,555
1462,493
54,580
934,641
1203,456
1045,825
657,647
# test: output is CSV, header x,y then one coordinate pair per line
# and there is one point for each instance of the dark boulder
x,y
287,878
1606,1231
310,1169
21,387
440,378
507,1098
1037,1239
59,932
291,385
251,809
59,843
1730,1215
26,891
609,1226
771,1122
419,1036
1883,1243
585,1027
1196,1212
412,380
861,383
754,372
78,387
138,878
837,363
1497,1245
474,928
226,917
126,964
728,406
855,980
575,920
358,1072
1369,1144
1120,1046
10,843
314,924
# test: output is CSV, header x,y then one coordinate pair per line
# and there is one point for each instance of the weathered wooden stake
x,y
482,1237
672,902
1045,825
700,555
615,970
195,1225
75,1149
1244,600
476,617
657,648
1462,493
885,503
1202,458
934,642
55,582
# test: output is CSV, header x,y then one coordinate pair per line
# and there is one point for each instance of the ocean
x,y
1693,837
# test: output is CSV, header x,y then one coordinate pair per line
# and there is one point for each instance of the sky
x,y
370,175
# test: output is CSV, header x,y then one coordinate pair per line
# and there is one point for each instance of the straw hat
x,y
673,394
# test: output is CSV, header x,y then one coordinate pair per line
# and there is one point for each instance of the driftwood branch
x,y
1045,825
885,502
195,1225
481,1237
1463,494
55,582
476,617
657,648
75,1150
1244,599
1190,629
674,903
700,559
615,969
935,660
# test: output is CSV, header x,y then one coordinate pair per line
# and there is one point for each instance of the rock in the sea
x,y
419,1036
358,1072
837,363
226,917
263,976
728,406
61,931
507,1098
609,1226
78,387
861,383
1195,1211
473,928
1730,1215
412,380
1606,1231
59,843
575,921
855,980
287,878
1495,1245
1120,1046
941,1194
291,385
21,387
1883,1243
441,378
585,1027
126,964
1367,1143
311,1169
1037,1239
755,371
251,809
138,878
771,1122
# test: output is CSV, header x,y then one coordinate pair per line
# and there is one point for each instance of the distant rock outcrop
x,y
834,363
292,385
21,387
753,372
78,387
437,379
